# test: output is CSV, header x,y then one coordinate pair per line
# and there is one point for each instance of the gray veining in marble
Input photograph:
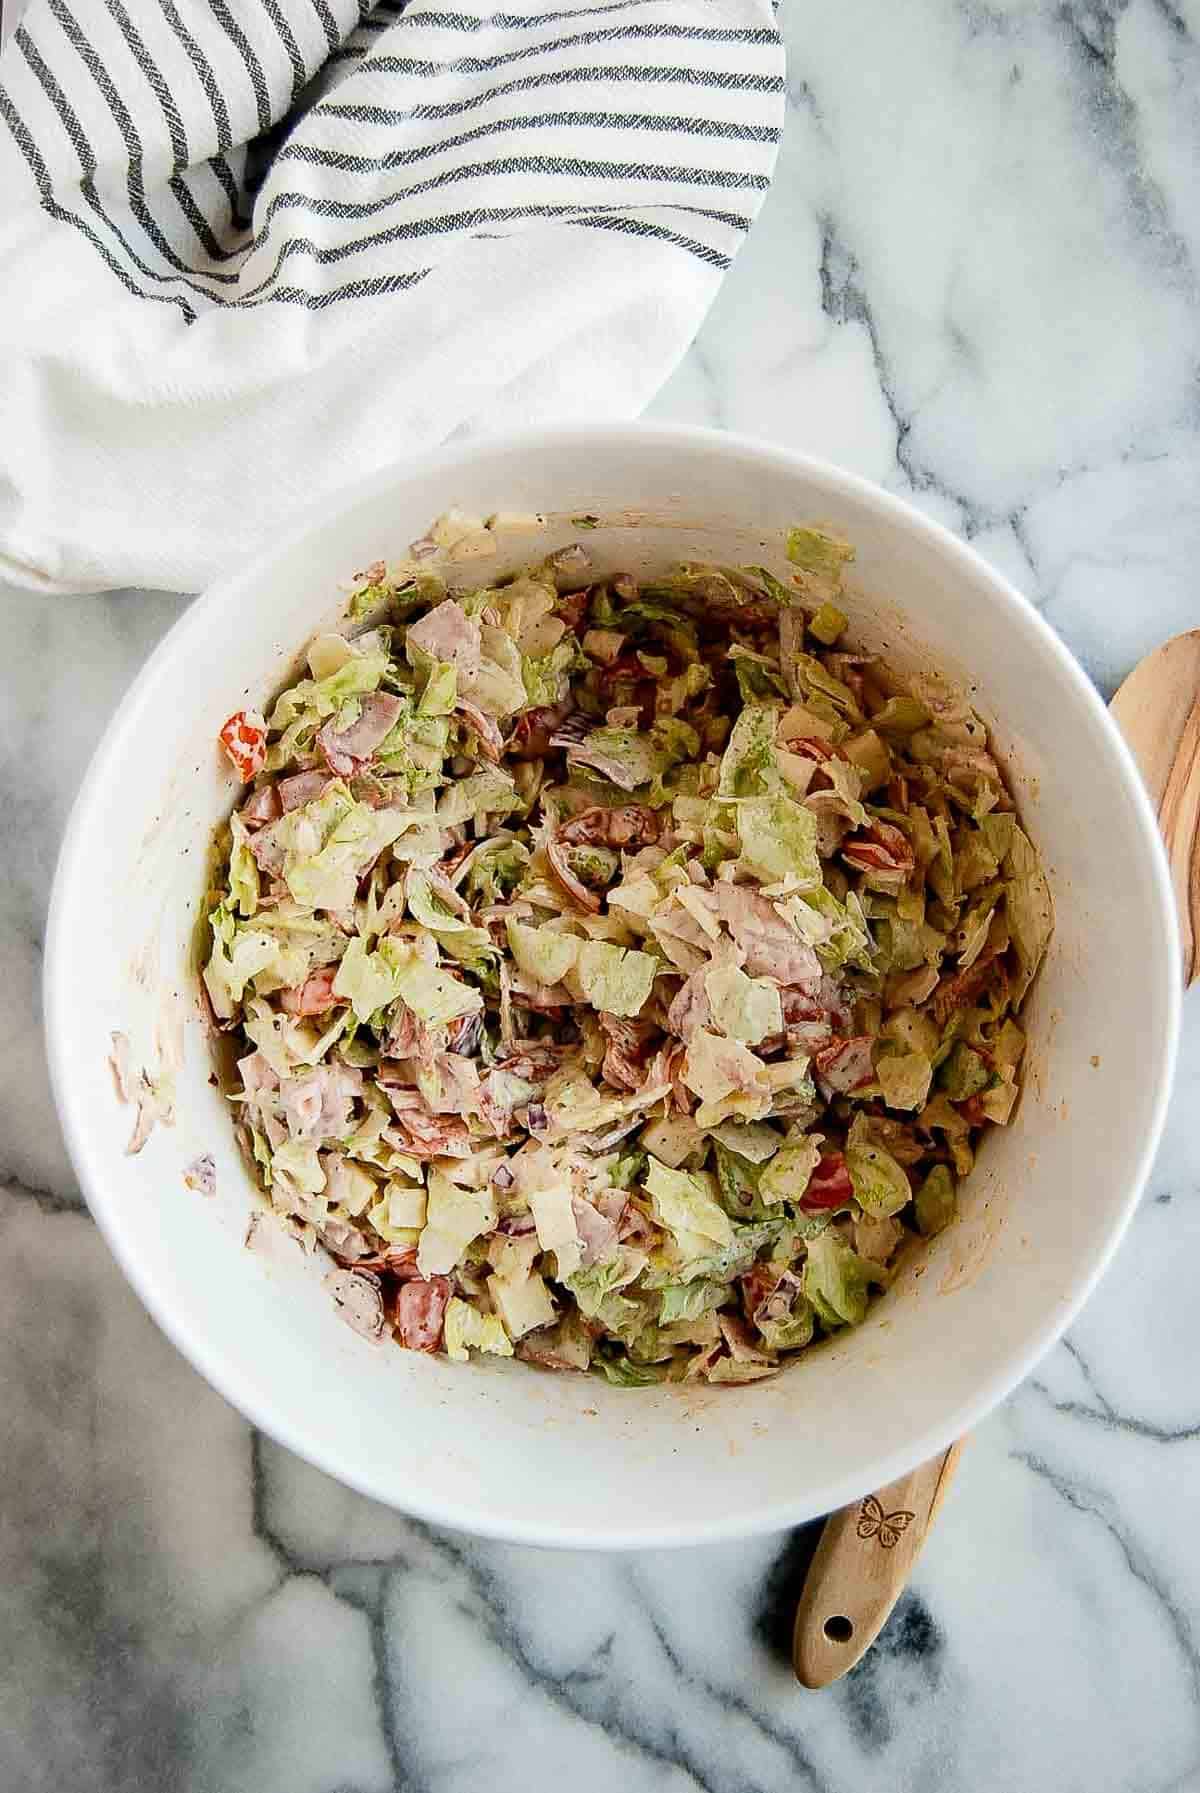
x,y
975,281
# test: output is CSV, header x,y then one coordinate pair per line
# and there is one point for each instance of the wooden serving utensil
x,y
861,1567
1157,710
868,1551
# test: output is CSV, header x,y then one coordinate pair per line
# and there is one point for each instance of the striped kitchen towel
x,y
253,249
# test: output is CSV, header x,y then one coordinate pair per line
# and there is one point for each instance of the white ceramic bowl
x,y
497,1447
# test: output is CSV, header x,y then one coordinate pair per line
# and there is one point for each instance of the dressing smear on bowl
x,y
619,972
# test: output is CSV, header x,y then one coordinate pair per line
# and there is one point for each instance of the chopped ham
x,y
534,1060
845,1064
757,1286
423,1134
256,1075
771,947
597,1232
690,1009
300,788
405,1036
268,850
447,633
573,606
636,1228
667,1068
684,939
458,1081
833,1000
347,751
779,1300
317,1105
628,1050
314,995
743,1347
262,807
615,770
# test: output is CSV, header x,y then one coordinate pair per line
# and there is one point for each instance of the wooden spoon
x,y
1158,712
868,1551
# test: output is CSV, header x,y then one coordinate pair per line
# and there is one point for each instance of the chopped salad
x,y
620,971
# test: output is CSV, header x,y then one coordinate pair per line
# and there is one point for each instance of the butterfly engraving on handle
x,y
873,1522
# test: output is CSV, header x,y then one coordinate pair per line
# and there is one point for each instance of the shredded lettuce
x,y
313,700
904,1078
749,767
243,872
1028,907
687,1207
779,842
440,690
436,996
466,1329
881,1186
817,551
544,956
615,981
238,955
936,1201
368,980
787,1176
745,1008
455,1217
490,792
836,1280
330,842
691,1300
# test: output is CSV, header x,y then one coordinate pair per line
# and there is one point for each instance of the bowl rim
x,y
212,1357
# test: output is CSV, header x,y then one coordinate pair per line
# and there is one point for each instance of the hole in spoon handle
x,y
861,1567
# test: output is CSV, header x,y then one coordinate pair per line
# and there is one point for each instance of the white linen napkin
x,y
252,249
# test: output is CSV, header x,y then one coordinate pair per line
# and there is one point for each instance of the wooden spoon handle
x,y
861,1567
1157,710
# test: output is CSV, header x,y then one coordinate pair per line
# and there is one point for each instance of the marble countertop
x,y
975,281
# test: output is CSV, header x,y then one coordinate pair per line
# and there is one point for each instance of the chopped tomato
x,y
244,738
420,1310
829,1186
